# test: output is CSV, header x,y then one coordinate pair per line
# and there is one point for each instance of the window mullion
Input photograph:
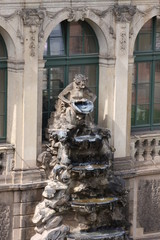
x,y
152,77
5,124
136,92
83,39
48,90
154,34
67,40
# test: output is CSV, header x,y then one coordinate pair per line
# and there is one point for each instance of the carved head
x,y
80,80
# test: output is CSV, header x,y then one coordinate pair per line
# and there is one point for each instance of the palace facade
x,y
116,44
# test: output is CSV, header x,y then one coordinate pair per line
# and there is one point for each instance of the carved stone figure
x,y
74,104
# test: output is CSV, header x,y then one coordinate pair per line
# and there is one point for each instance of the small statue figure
x,y
75,102
77,91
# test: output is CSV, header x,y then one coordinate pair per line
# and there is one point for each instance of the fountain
x,y
82,199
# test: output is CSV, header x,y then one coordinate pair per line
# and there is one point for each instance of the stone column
x,y
123,15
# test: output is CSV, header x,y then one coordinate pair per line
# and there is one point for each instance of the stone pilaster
x,y
123,15
32,22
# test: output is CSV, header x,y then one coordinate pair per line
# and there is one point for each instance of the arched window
x,y
146,84
3,90
71,48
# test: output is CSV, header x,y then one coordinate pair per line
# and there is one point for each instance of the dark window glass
x,y
144,39
146,85
71,49
3,90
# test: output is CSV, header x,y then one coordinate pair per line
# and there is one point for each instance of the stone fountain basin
x,y
89,138
93,201
101,235
87,167
83,106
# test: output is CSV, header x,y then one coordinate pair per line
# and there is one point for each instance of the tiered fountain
x,y
83,199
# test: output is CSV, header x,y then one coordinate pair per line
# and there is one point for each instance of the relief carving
x,y
123,41
124,13
77,14
33,18
112,32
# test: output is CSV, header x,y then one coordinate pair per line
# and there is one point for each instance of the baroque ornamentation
x,y
112,32
29,17
77,14
33,18
124,13
123,40
74,14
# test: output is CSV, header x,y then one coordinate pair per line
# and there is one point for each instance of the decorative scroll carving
x,y
4,221
33,18
112,32
124,13
76,14
123,40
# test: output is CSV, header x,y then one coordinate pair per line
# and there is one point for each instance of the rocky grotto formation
x,y
83,199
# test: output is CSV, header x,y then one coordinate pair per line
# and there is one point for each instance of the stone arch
x,y
10,38
139,20
99,26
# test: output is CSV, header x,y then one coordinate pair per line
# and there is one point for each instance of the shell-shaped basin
x,y
83,107
94,201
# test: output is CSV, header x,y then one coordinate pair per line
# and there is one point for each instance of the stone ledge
x,y
6,146
22,187
128,168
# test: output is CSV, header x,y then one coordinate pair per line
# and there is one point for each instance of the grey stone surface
x,y
148,205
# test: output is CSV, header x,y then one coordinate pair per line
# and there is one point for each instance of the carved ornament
x,y
123,41
76,14
124,13
33,18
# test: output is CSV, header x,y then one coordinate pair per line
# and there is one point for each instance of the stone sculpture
x,y
74,104
83,199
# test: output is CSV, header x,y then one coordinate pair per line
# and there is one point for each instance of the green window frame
x,y
3,90
146,84
71,48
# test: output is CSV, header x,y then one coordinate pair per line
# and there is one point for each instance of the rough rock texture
x,y
82,191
